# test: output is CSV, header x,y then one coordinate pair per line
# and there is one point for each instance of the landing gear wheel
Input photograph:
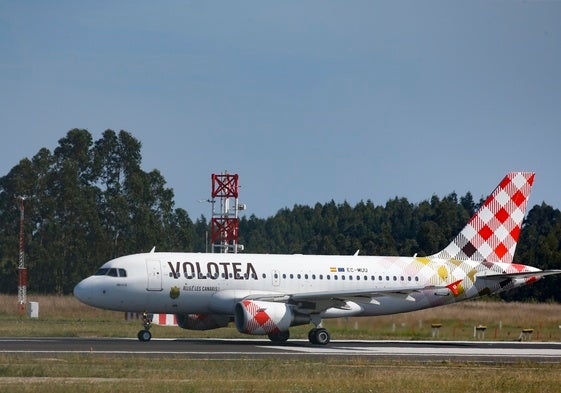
x,y
312,336
144,335
279,337
319,336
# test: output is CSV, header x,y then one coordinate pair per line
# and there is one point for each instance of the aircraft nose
x,y
83,291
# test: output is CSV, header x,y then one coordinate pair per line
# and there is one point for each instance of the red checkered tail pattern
x,y
492,233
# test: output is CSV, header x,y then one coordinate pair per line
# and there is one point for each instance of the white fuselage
x,y
194,283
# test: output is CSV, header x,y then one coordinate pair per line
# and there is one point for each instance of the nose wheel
x,y
145,335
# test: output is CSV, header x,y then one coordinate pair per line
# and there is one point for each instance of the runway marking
x,y
425,351
236,348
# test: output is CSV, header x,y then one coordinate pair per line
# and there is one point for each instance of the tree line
x,y
90,201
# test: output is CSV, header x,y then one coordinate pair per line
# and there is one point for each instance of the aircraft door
x,y
276,278
154,274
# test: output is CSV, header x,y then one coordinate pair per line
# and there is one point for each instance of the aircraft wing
x,y
314,302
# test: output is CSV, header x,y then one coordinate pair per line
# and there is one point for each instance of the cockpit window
x,y
101,272
112,272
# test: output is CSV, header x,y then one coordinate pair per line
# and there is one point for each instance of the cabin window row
x,y
292,276
349,277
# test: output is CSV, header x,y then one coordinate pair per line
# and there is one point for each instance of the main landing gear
x,y
319,336
145,335
279,337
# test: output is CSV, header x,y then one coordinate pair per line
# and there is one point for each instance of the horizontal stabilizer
x,y
502,276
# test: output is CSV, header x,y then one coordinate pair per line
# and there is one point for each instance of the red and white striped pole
x,y
22,271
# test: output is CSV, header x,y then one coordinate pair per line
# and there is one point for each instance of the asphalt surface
x,y
248,349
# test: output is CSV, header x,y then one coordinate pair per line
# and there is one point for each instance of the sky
x,y
307,101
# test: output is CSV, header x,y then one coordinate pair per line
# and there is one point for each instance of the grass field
x,y
64,316
105,374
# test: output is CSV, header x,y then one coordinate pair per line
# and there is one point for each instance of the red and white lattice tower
x,y
22,271
224,223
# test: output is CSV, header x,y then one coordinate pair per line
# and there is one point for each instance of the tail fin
x,y
492,233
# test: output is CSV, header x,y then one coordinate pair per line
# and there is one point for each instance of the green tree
x,y
88,202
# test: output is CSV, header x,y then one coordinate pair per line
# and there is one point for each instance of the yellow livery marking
x,y
443,272
424,260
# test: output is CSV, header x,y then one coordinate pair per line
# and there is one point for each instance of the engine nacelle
x,y
257,317
202,321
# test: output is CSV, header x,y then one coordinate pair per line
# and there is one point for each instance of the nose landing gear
x,y
145,335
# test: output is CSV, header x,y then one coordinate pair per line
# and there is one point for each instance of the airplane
x,y
268,294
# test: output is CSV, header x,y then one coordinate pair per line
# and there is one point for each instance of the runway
x,y
249,348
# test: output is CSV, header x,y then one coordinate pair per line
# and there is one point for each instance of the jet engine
x,y
259,317
202,321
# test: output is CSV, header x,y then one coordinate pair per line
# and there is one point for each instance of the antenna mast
x,y
224,223
22,271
